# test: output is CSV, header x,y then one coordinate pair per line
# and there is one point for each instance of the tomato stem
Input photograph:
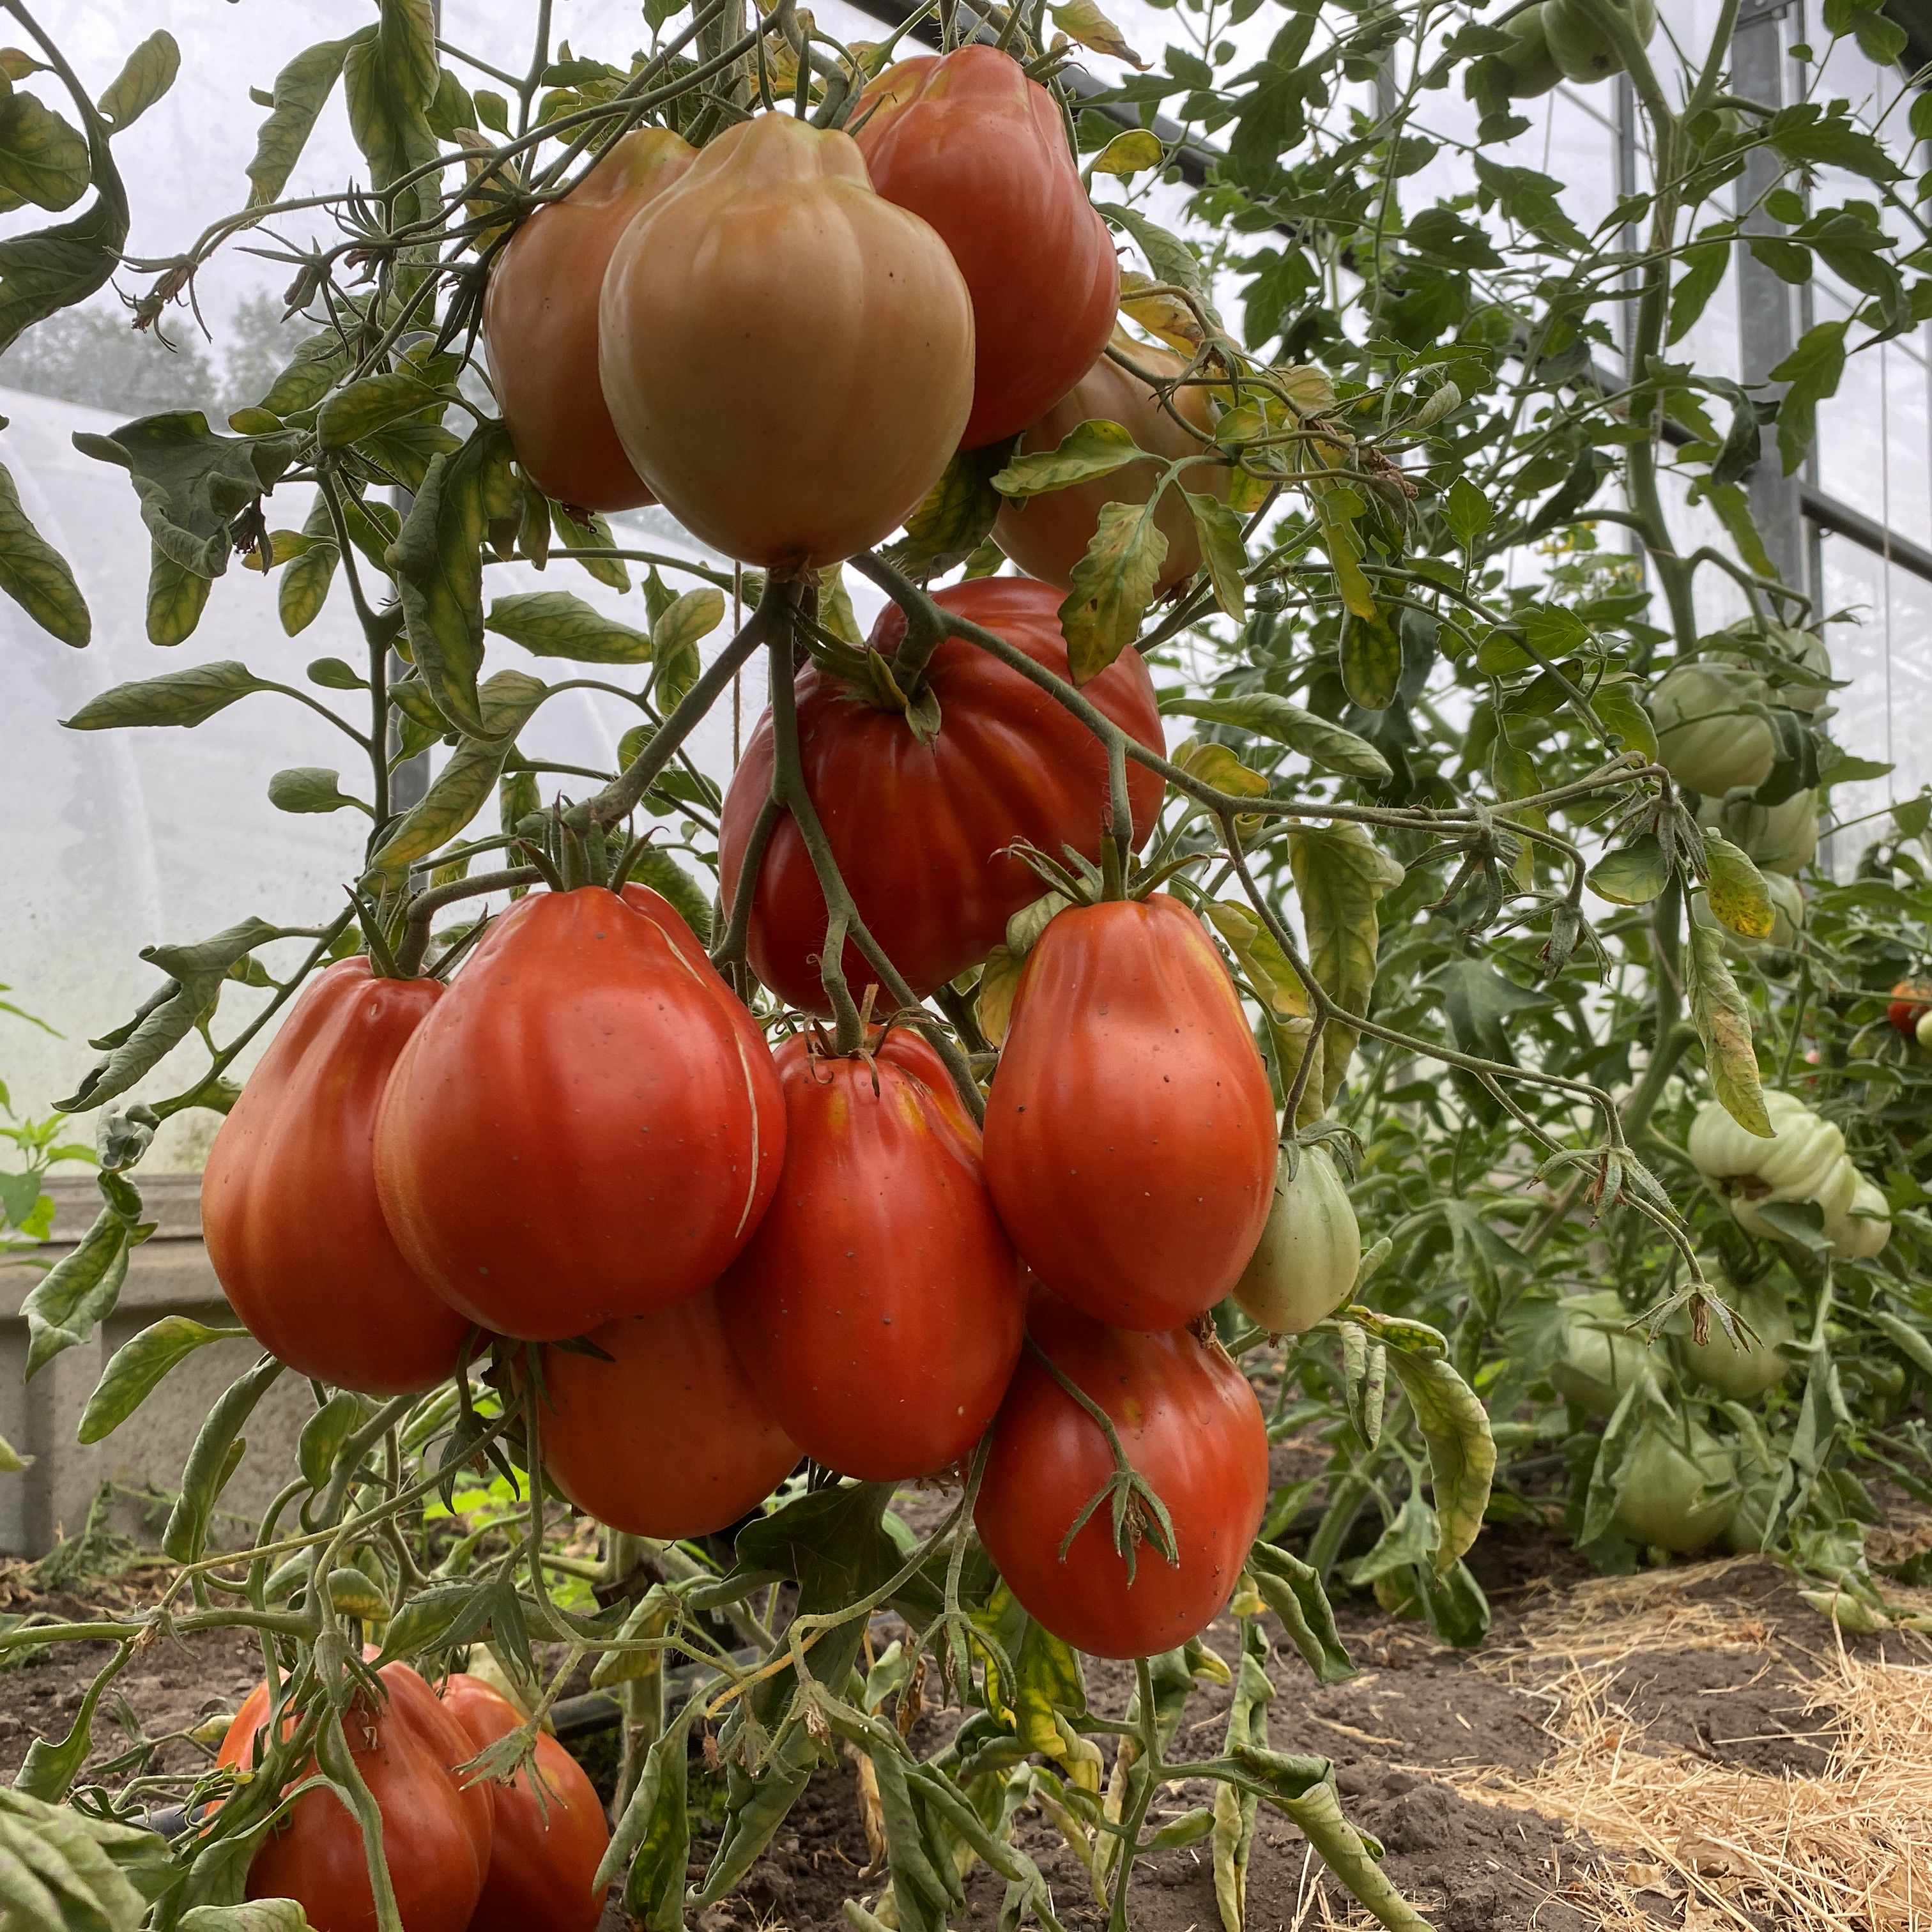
x,y
424,907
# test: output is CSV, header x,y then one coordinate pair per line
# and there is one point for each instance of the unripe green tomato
x,y
1707,737
1306,1262
1922,1032
1862,1229
1743,1372
1677,1488
1797,1163
1780,838
1582,50
1599,1360
1529,65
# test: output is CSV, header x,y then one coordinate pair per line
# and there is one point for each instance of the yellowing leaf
x,y
999,981
1161,314
1723,1020
1091,449
1222,550
1081,21
1216,765
1738,895
1113,585
1340,875
1274,979
1131,153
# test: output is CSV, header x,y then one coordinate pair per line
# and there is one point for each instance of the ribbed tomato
x,y
588,1126
437,1833
550,1835
288,1211
878,1308
788,357
1191,1426
1048,535
540,324
668,1437
920,830
1911,1001
966,141
1130,1134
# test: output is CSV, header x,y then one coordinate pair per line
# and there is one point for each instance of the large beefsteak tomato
x,y
920,830
878,1310
1048,535
437,1833
295,1232
550,1835
788,357
540,324
1130,1134
668,1437
1191,1427
589,1125
966,140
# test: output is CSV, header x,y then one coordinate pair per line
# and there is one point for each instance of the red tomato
x,y
966,140
1190,1425
589,1125
1911,1000
920,831
295,1232
1130,1134
540,324
669,1438
550,1835
878,1308
436,1834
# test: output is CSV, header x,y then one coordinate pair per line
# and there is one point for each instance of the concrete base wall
x,y
169,1274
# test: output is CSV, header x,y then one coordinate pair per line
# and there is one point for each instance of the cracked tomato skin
x,y
550,1833
589,1126
1190,1425
1130,1132
878,1310
966,141
437,1833
667,1438
289,1208
920,831
540,324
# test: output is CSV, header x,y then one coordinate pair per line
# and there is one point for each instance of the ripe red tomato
x,y
920,831
669,1438
588,1126
436,1834
966,140
540,324
878,1308
295,1232
1911,1000
1191,1426
550,1835
1130,1134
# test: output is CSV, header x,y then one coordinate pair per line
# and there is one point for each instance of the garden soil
x,y
1472,1769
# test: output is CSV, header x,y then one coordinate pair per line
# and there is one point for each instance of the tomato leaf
x,y
1292,1589
35,574
43,157
1736,889
669,880
306,577
1371,662
1275,982
1113,585
373,404
1083,22
137,1367
302,89
554,624
956,518
310,788
1723,1020
1270,716
1223,551
217,1448
1634,874
1219,766
1131,153
1092,449
999,981
1340,875
185,698
653,1837
1462,1452
176,598
149,73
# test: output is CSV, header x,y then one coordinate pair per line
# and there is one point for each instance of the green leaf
x,y
596,535
1462,1452
1340,875
1112,585
63,1868
177,698
1222,550
554,624
468,782
137,1368
1811,137
303,587
212,1461
1345,556
310,788
176,598
1371,660
302,89
1723,1020
35,574
1736,888
1170,258
309,376
439,564
43,157
52,269
1812,370
148,73
1619,705
324,1434
11,1461
675,632
371,403
1292,1589
1705,263
1634,874
194,486
1090,450
257,1915
1467,511
69,1301
1218,766
1320,741
650,1847
195,977
390,80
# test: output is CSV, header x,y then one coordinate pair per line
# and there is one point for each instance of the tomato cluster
x,y
723,1258
516,1856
